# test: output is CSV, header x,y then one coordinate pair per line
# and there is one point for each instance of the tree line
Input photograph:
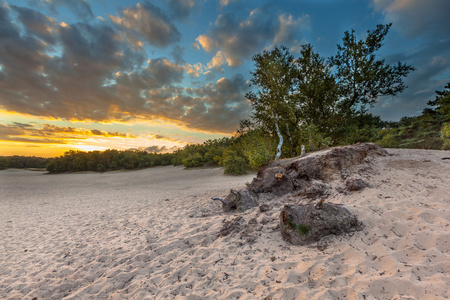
x,y
23,162
109,160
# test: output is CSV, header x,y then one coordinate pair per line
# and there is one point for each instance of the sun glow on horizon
x,y
88,148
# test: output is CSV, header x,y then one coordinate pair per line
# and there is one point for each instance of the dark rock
x,y
305,224
356,184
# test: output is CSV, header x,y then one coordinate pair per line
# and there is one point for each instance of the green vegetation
x,y
23,162
73,161
252,147
319,101
307,100
300,228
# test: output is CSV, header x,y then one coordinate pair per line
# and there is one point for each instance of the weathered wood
x,y
306,224
300,173
308,175
238,200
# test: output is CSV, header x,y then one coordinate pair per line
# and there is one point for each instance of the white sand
x,y
153,234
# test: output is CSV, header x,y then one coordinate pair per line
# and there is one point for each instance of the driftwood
x,y
306,224
238,200
308,175
301,173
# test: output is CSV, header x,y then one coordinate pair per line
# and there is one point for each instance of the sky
x,y
156,75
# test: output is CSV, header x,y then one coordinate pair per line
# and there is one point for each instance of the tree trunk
x,y
292,143
281,139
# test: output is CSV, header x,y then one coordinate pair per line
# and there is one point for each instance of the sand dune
x,y
154,234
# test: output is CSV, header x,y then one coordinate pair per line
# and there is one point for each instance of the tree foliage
x,y
442,101
326,96
315,94
273,76
362,78
74,161
23,162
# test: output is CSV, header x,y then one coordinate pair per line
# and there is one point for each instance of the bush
x,y
192,161
101,168
51,166
389,138
234,164
4,162
312,138
259,149
445,134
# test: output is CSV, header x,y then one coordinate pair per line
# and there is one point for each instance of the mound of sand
x,y
155,234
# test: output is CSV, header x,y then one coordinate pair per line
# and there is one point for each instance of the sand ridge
x,y
154,234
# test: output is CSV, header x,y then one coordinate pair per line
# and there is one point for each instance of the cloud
x,y
22,125
48,129
426,24
36,23
217,61
224,3
80,8
94,74
432,75
156,149
181,9
164,71
223,106
194,70
161,149
416,17
288,26
51,134
148,22
240,39
177,54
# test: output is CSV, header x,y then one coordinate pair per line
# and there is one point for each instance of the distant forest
x,y
308,100
23,162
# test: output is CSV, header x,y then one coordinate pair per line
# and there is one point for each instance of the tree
x,y
361,77
316,94
442,101
109,156
258,148
4,162
273,75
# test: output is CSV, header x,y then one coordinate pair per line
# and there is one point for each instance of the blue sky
x,y
100,74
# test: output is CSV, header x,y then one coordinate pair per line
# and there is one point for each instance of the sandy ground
x,y
154,234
